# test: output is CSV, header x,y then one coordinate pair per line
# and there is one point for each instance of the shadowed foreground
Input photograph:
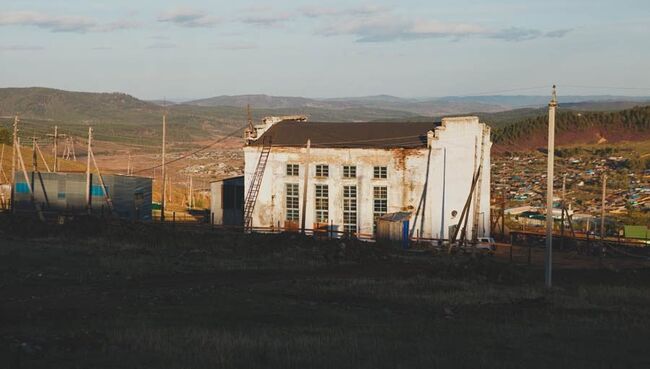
x,y
146,296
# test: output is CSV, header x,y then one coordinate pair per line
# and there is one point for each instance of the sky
x,y
196,49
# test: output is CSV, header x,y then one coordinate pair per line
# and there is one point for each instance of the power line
x,y
221,139
608,87
502,91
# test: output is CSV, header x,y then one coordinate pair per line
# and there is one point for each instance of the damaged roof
x,y
348,135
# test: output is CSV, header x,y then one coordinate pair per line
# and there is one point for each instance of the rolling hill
x,y
122,118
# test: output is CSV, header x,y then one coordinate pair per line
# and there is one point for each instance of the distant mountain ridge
x,y
420,106
119,117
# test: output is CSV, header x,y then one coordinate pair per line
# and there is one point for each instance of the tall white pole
x,y
164,174
88,154
548,259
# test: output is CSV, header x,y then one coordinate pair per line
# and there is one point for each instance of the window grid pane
x,y
380,203
349,171
380,173
292,202
350,209
322,170
322,203
293,169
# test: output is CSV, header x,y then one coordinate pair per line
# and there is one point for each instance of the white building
x,y
354,172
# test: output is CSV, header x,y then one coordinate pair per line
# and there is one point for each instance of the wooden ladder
x,y
256,182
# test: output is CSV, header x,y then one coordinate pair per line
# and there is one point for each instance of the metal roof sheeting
x,y
348,135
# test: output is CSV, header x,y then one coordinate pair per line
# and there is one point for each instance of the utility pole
x,y
162,200
128,165
2,160
503,211
88,154
15,147
190,199
563,208
304,189
56,150
34,159
602,208
548,257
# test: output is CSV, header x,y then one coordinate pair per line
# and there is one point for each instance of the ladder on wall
x,y
256,182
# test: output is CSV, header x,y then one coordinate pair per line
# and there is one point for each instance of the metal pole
x,y
548,260
164,174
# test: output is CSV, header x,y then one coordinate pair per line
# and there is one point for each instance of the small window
x,y
293,169
349,171
380,173
322,170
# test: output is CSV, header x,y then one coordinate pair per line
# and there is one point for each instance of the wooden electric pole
x,y
164,174
128,166
191,195
548,256
602,208
15,147
563,208
56,149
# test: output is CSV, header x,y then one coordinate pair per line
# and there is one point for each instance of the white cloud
x,y
162,45
21,48
189,18
387,26
558,33
319,11
236,46
266,19
58,23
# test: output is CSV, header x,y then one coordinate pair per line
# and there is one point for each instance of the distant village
x,y
521,177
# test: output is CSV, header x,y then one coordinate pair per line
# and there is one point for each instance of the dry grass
x,y
150,297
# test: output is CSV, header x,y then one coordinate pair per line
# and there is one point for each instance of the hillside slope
x,y
574,127
122,118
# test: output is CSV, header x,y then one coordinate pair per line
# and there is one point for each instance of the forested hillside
x,y
575,128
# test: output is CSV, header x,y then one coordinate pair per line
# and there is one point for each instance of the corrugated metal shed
x,y
228,201
66,193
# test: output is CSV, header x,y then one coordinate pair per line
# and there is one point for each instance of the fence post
x,y
212,220
512,244
174,219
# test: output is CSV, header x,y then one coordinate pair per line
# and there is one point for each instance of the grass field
x,y
149,296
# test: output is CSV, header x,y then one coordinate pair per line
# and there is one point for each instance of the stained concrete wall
x,y
453,160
